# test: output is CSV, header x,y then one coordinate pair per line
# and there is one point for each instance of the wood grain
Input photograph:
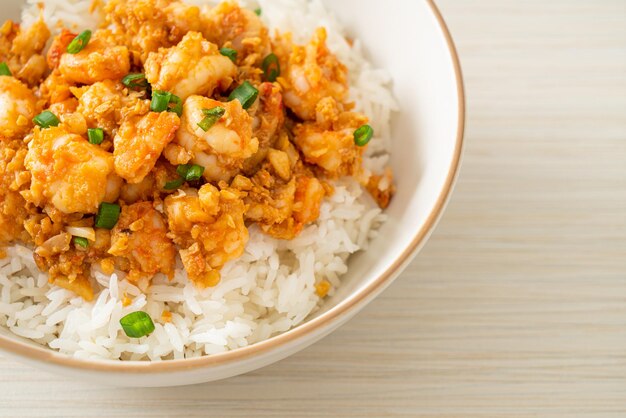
x,y
517,306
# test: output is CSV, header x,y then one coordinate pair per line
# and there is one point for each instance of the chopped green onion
x,y
258,11
211,117
174,184
4,69
188,172
183,169
108,215
194,173
246,93
135,81
177,105
96,136
271,67
81,242
137,324
363,135
46,119
230,53
79,43
161,101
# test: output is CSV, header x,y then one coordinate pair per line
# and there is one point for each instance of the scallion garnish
x,y
133,81
137,324
4,69
174,184
46,119
194,173
363,135
258,11
81,242
211,116
96,136
161,101
246,93
108,215
271,67
183,169
230,53
79,43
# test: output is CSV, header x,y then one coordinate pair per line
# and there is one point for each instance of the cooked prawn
x,y
312,74
208,226
239,28
140,141
68,172
194,66
100,60
140,236
18,106
224,147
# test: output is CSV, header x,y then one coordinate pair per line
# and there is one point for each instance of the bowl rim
x,y
40,354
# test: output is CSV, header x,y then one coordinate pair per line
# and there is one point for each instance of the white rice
x,y
269,290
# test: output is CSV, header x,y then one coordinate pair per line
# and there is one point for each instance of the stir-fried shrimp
x,y
136,192
227,24
194,66
68,172
140,141
145,26
329,141
100,60
140,236
18,106
21,49
223,148
208,226
312,74
164,136
101,104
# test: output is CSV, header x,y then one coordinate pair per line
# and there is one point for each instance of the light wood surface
x,y
517,306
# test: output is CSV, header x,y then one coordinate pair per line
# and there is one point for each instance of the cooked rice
x,y
269,290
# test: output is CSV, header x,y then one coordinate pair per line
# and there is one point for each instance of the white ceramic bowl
x,y
408,38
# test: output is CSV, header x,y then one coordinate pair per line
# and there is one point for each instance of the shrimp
x,y
329,141
59,47
208,226
22,50
131,193
194,66
140,237
100,104
282,209
140,141
69,172
269,119
100,60
311,74
18,106
55,88
239,28
147,26
224,147
270,201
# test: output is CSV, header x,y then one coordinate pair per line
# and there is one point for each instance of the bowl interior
x,y
406,39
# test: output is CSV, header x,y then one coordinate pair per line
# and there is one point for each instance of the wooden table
x,y
517,306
